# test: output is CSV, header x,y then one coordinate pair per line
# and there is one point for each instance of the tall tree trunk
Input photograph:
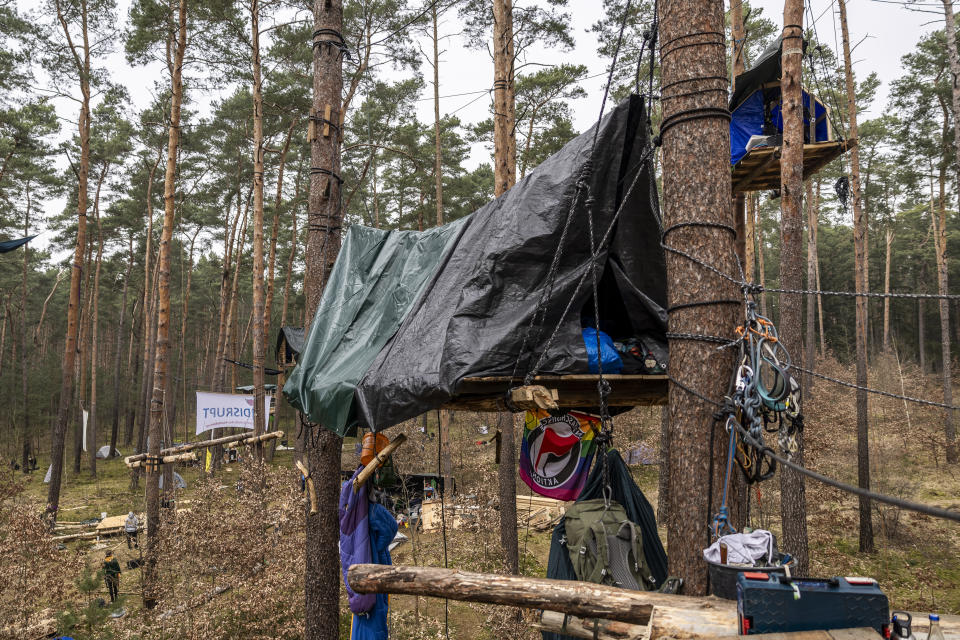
x,y
921,336
181,355
504,105
860,257
938,221
888,240
321,571
696,187
259,348
94,322
793,494
816,264
150,576
505,175
81,57
761,260
121,321
272,260
810,344
25,451
80,430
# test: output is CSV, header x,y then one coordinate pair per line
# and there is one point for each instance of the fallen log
x,y
582,599
378,460
180,457
244,438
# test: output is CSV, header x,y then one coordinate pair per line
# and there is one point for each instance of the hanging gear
x,y
605,547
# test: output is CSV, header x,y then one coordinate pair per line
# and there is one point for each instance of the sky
x,y
884,29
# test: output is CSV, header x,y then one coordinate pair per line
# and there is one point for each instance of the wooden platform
x,y
759,170
487,393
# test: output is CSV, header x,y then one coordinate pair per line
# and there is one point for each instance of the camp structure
x,y
289,345
756,127
456,315
178,481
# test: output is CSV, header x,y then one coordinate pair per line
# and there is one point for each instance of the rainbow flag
x,y
557,451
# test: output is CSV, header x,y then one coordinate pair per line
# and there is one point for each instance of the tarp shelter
x,y
290,343
755,106
178,481
10,245
406,316
104,452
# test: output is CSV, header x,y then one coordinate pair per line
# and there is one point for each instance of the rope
x,y
936,512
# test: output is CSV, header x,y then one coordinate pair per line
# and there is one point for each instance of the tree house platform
x,y
487,393
759,170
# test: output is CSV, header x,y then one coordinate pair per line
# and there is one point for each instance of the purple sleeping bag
x,y
355,540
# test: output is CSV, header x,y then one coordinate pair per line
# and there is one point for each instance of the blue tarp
x,y
747,120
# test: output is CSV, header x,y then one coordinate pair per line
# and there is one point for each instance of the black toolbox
x,y
771,603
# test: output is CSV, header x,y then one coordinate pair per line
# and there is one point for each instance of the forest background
x,y
908,168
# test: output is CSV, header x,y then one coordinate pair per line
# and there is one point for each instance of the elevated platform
x,y
759,170
487,393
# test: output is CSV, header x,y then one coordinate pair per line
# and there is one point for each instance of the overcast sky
x,y
884,29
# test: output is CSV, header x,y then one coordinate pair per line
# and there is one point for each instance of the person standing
x,y
131,526
111,575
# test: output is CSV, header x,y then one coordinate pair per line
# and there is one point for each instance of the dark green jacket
x,y
111,568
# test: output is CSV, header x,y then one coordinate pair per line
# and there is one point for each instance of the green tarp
x,y
376,279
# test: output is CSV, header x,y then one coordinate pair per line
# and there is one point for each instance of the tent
x,y
104,452
406,316
178,481
755,105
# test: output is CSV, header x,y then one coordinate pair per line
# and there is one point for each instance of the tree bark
x,y
860,257
938,221
793,500
121,321
26,449
816,264
81,56
810,344
150,575
663,478
321,570
949,428
94,341
921,336
504,104
886,289
696,187
275,230
259,348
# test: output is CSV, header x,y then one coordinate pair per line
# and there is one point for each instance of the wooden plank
x,y
580,390
757,171
533,397
710,619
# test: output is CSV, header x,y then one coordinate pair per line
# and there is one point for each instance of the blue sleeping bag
x,y
372,625
609,356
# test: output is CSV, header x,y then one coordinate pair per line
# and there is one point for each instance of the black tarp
x,y
290,338
460,300
626,492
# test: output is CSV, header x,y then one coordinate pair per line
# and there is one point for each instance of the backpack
x,y
605,547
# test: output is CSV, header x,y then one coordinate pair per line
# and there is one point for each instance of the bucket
x,y
723,577
373,443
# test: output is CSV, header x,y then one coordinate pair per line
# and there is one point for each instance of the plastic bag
x,y
610,358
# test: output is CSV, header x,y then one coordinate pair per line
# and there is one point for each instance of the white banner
x,y
227,411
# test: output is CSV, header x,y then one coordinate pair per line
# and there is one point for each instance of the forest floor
x,y
916,561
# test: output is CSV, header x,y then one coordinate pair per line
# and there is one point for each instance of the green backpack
x,y
605,547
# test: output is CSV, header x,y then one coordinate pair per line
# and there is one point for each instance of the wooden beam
x,y
580,390
311,488
583,599
180,457
744,182
534,396
244,438
577,627
377,461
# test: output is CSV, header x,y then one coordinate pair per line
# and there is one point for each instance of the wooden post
x,y
793,507
324,216
696,187
860,261
242,438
